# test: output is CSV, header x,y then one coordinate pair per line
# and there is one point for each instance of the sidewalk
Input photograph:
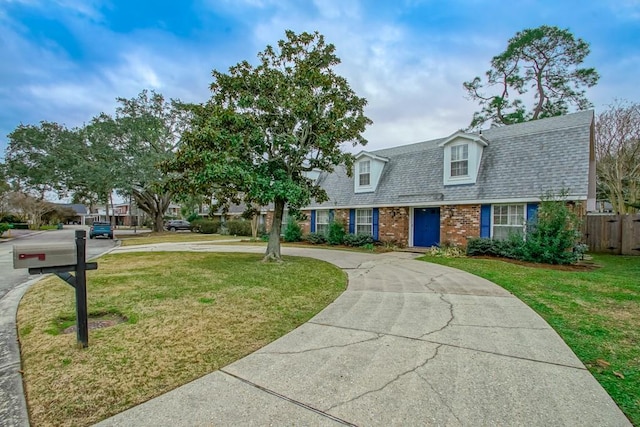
x,y
408,343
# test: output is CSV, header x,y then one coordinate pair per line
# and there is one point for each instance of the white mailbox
x,y
44,255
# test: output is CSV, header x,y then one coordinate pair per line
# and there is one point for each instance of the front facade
x,y
445,191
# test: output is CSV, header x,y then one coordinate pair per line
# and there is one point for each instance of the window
x,y
322,221
364,223
460,160
508,219
364,172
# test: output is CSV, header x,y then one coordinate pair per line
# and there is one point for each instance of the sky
x,y
67,60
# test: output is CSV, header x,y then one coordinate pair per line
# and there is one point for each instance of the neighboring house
x,y
123,214
82,213
447,190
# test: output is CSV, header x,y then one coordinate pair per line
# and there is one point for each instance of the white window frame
x,y
362,173
514,219
361,224
459,150
322,226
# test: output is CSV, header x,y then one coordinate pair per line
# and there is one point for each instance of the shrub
x,y
239,227
316,238
552,239
205,226
292,232
9,218
357,240
3,227
336,233
194,216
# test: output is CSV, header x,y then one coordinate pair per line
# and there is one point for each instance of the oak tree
x,y
545,60
266,125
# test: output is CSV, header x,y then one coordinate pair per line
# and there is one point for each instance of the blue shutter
x,y
485,221
332,214
375,216
352,221
313,221
532,212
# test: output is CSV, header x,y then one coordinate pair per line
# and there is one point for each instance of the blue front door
x,y
426,227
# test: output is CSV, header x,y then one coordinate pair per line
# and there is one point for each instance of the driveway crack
x,y
377,337
387,384
451,317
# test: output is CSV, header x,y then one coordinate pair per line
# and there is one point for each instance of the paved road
x,y
13,284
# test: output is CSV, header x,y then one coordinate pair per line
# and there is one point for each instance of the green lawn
x,y
596,312
185,314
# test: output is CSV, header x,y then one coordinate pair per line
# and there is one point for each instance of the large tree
x,y
266,125
544,59
38,159
151,129
618,156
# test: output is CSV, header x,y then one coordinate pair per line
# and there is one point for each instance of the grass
x,y
596,312
167,237
187,314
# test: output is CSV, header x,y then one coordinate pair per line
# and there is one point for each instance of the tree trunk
x,y
254,226
273,247
112,218
155,205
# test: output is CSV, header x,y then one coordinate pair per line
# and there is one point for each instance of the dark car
x,y
177,224
101,229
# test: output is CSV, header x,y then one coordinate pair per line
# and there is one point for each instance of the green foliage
x,y
9,218
357,240
193,216
316,238
3,227
336,233
205,226
553,237
266,125
238,227
446,251
545,59
293,232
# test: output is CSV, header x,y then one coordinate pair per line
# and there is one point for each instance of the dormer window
x,y
364,172
462,156
460,160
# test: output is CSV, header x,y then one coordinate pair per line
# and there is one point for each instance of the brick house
x,y
444,191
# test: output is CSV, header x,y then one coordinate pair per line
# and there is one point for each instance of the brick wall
x,y
394,225
459,222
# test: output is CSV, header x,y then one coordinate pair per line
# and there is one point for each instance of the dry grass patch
x,y
187,314
168,237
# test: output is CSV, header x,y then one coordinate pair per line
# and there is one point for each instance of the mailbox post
x,y
60,259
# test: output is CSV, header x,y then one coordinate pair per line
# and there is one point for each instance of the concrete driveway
x,y
408,343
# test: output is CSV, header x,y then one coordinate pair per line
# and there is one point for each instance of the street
x,y
10,278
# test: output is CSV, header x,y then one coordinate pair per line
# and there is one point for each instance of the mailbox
x,y
44,255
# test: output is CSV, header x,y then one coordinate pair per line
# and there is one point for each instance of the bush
x,y
292,232
3,227
357,240
9,218
336,233
194,216
553,238
239,227
205,226
316,238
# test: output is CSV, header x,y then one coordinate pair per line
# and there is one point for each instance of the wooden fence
x,y
613,234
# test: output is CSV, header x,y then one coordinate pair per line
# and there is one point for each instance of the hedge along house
x,y
444,191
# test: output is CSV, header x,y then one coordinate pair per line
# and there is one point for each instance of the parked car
x,y
101,229
177,224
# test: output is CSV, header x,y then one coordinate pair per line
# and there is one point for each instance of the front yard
x,y
596,312
183,315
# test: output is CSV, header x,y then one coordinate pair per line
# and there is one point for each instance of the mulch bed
x,y
579,266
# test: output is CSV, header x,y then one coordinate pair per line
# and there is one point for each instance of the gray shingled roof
x,y
522,161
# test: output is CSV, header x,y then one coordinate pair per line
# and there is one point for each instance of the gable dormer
x,y
367,170
462,155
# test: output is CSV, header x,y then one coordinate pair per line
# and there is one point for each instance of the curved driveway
x,y
408,343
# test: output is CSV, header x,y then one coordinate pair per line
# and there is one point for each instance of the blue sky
x,y
67,60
